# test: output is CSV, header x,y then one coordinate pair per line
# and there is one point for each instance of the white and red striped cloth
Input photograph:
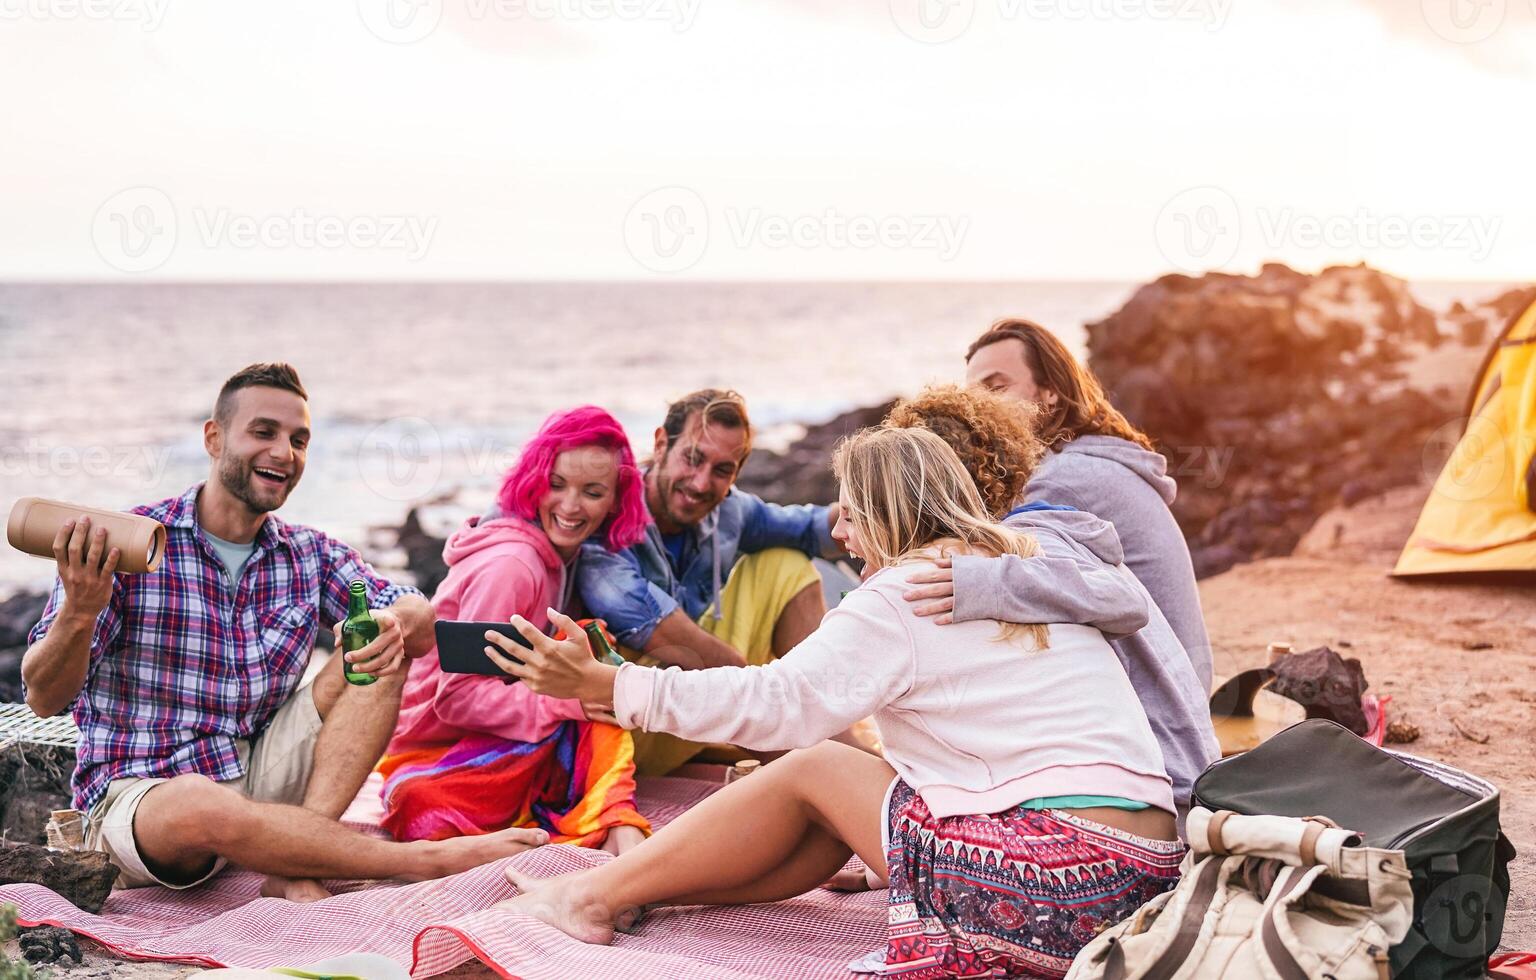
x,y
435,926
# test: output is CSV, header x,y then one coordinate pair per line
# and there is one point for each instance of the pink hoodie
x,y
496,567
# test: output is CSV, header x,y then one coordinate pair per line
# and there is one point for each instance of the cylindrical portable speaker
x,y
35,522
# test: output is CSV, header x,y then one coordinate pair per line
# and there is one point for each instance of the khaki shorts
x,y
277,769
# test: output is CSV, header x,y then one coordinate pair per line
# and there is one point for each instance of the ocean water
x,y
423,391
426,390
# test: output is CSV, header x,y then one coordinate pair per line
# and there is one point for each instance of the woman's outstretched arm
x,y
859,660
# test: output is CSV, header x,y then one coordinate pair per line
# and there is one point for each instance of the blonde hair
x,y
912,500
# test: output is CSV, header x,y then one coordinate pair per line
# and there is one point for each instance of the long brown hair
x,y
1081,407
912,500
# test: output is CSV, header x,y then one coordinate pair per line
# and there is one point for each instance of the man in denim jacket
x,y
722,578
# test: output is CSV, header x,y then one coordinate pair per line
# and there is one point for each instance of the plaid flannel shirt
x,y
183,665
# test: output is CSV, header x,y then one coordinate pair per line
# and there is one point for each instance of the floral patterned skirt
x,y
1011,894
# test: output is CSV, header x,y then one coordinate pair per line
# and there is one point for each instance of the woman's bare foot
x,y
566,902
293,889
456,854
621,839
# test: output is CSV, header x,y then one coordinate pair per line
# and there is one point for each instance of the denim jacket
x,y
634,589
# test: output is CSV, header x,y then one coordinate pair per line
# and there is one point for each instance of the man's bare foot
x,y
621,839
456,854
293,889
565,902
859,880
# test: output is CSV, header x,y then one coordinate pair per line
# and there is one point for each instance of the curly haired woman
x,y
1079,575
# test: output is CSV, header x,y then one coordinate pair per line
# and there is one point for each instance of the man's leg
x,y
323,770
799,619
182,825
773,835
358,721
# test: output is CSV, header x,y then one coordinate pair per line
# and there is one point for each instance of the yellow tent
x,y
1481,515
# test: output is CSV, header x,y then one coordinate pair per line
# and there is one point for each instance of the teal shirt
x,y
231,555
1082,803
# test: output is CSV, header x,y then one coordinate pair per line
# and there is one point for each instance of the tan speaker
x,y
35,522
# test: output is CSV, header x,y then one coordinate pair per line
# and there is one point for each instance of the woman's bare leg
x,y
734,845
816,856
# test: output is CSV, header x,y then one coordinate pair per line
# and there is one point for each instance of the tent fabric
x,y
433,927
1481,514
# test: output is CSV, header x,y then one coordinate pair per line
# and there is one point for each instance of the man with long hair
x,y
1097,461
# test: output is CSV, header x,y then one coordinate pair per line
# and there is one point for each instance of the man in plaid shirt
x,y
198,746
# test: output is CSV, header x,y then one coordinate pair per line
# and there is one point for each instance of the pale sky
x,y
775,139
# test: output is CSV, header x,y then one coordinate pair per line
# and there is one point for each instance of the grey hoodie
x,y
1079,577
1130,488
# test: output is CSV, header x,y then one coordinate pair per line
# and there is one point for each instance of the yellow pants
x,y
760,587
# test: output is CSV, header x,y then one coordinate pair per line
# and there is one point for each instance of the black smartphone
x,y
461,647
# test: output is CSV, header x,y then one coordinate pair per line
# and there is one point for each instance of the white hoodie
x,y
975,724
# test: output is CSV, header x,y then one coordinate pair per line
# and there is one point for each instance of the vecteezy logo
x,y
401,459
1199,229
1464,21
400,21
1478,461
1461,912
135,229
933,21
667,230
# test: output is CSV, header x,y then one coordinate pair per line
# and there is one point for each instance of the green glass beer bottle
x,y
358,631
601,648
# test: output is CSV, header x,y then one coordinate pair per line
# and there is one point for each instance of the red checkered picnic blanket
x,y
434,926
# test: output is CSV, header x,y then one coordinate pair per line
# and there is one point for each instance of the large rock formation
x,y
803,473
1274,397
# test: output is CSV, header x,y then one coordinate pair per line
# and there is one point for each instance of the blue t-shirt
x,y
675,543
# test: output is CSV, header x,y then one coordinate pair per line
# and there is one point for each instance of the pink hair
x,y
527,481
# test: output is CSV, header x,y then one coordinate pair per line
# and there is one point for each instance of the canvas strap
x,y
1187,932
1213,831
1269,934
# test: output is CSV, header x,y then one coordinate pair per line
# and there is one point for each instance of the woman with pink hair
x,y
472,754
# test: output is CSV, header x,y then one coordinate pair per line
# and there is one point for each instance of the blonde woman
x,y
1024,805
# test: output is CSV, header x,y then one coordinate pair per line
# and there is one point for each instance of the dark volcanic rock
x,y
1327,684
423,553
1291,381
18,615
803,474
34,781
1476,326
84,878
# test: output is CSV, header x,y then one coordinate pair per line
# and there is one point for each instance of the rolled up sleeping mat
x,y
35,522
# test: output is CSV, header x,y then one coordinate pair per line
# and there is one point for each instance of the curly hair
x,y
993,436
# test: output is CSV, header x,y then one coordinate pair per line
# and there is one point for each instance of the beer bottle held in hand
x,y
601,648
358,631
